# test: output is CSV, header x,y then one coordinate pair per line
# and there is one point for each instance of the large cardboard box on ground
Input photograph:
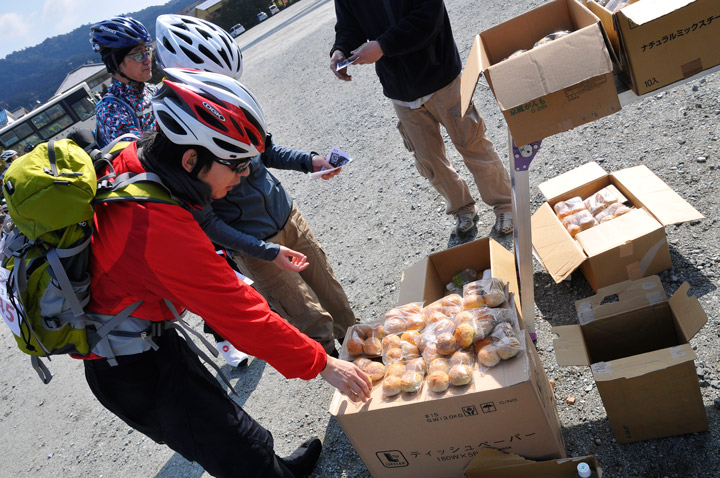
x,y
659,42
638,350
629,247
490,463
551,88
511,407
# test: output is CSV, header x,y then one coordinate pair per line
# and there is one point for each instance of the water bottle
x,y
584,471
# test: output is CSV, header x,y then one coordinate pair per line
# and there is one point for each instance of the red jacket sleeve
x,y
182,266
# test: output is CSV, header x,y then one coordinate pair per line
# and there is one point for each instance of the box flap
x,y
621,297
688,312
648,10
492,463
652,192
570,345
557,250
471,75
642,364
557,186
412,282
550,67
621,231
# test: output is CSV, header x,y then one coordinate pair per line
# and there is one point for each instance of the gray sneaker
x,y
465,220
504,223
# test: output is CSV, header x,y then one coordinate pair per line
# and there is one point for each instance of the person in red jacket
x,y
156,252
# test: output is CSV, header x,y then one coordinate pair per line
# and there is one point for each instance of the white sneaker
x,y
232,355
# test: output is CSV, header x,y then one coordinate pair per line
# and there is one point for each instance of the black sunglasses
x,y
236,167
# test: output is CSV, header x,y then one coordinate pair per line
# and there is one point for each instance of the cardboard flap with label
x,y
631,295
652,192
560,253
692,317
642,364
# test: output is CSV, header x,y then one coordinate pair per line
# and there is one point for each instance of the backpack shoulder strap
x,y
143,187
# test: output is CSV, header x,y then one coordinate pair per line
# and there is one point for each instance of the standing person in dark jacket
x,y
415,56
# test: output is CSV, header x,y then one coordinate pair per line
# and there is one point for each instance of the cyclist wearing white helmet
x,y
123,45
189,42
257,220
200,152
9,155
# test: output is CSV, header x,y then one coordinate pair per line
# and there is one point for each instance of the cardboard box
x,y
552,88
489,463
631,246
511,407
638,350
660,42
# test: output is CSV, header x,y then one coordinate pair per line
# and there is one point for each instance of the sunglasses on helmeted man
x,y
140,56
235,166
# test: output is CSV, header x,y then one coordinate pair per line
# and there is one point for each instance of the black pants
x,y
171,397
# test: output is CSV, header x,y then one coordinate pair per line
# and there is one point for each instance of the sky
x,y
25,23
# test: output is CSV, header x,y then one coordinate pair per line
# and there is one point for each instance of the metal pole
x,y
520,159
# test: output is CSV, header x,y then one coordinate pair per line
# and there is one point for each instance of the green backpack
x,y
45,251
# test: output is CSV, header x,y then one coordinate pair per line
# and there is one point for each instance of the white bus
x,y
73,109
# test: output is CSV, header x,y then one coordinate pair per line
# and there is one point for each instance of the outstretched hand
x,y
348,379
320,162
291,260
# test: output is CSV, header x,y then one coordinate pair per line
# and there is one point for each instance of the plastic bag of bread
x,y
501,344
611,212
401,351
461,365
404,317
364,340
374,369
578,222
438,379
444,308
484,292
473,324
411,381
455,286
430,334
569,207
599,201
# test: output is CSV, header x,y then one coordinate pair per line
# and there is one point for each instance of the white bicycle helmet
x,y
199,108
189,42
8,154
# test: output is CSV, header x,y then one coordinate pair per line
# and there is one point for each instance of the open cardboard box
x,y
549,89
629,247
659,42
490,463
511,407
636,343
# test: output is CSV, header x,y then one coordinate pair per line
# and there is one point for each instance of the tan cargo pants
x,y
312,300
420,129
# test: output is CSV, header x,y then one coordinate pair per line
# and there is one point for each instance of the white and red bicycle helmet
x,y
189,42
198,108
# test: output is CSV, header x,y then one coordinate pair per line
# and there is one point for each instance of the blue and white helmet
x,y
189,42
118,32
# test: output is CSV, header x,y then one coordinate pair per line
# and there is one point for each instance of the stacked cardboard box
x,y
551,88
659,42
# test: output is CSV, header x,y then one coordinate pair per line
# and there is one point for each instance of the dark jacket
x,y
419,51
257,208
